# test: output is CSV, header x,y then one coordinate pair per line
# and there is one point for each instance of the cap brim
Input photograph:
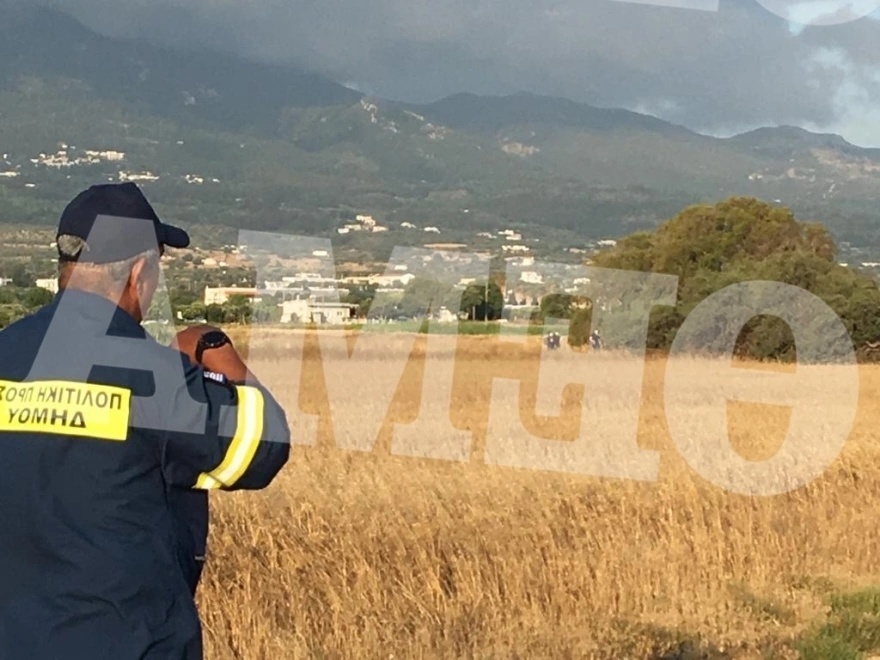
x,y
173,236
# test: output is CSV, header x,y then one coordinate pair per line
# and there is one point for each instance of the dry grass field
x,y
370,554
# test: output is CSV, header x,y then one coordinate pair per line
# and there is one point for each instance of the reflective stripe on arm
x,y
248,431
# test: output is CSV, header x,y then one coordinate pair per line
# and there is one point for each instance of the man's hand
x,y
223,360
187,340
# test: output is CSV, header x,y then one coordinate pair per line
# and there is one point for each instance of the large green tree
x,y
737,240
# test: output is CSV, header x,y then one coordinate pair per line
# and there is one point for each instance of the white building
x,y
381,281
315,279
303,310
445,316
219,295
49,283
137,176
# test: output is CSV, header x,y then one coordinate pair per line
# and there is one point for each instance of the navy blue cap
x,y
117,222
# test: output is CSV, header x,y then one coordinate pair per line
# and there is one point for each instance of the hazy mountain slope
x,y
242,143
196,87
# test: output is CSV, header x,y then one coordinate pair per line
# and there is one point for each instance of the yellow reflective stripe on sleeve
x,y
248,431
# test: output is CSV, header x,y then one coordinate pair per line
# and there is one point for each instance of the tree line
x,y
707,247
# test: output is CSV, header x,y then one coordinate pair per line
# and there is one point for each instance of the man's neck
x,y
121,301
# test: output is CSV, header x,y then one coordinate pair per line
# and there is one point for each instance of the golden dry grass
x,y
375,555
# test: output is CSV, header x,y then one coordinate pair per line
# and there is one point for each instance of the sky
x,y
715,66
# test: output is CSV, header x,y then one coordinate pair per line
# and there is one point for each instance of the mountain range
x,y
221,140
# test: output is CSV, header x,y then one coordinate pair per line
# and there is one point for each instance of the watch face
x,y
213,339
209,340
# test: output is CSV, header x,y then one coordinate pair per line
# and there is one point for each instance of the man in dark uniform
x,y
109,443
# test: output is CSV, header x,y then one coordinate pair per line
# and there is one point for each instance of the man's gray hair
x,y
105,275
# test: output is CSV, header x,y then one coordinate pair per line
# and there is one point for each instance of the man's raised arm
x,y
246,441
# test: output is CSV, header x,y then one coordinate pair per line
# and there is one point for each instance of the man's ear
x,y
139,285
137,271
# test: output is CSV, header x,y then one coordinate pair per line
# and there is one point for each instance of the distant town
x,y
310,297
214,281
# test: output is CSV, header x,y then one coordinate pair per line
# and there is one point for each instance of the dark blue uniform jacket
x,y
109,444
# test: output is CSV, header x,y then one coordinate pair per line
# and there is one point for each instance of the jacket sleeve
x,y
245,440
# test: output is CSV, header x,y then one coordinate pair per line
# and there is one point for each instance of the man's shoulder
x,y
41,316
32,325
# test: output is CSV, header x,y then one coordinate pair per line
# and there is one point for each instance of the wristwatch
x,y
209,340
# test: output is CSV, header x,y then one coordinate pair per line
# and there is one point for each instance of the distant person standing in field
x,y
109,443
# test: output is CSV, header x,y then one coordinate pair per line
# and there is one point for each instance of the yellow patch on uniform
x,y
65,408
